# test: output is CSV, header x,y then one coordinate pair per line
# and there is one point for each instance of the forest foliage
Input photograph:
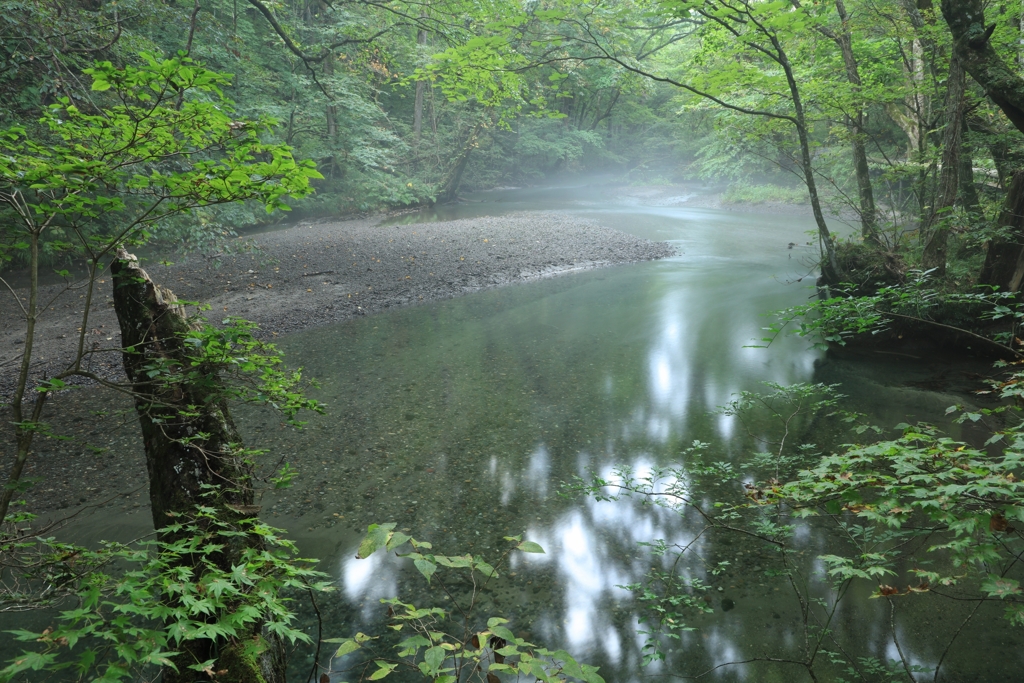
x,y
868,111
127,122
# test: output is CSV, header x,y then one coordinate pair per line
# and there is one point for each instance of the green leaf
x,y
377,536
503,632
434,657
537,669
426,567
484,568
410,646
346,647
530,547
397,539
569,665
1000,587
383,670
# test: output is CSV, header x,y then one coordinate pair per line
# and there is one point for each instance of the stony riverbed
x,y
309,275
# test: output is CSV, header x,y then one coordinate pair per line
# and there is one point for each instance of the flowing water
x,y
459,420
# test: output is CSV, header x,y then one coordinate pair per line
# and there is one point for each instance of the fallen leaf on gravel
x,y
309,290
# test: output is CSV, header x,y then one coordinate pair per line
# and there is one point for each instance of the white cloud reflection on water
x,y
367,581
592,546
669,372
594,551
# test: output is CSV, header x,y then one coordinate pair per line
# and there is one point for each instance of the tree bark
x,y
608,110
855,124
417,112
332,110
24,434
1004,255
193,449
1001,82
830,270
1004,262
967,194
448,188
918,125
936,229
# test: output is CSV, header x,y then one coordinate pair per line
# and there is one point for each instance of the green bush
x,y
763,194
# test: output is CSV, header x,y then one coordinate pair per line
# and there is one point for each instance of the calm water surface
x,y
459,420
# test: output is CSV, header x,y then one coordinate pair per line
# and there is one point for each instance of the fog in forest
x,y
470,341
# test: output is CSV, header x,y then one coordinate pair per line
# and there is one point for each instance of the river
x,y
459,420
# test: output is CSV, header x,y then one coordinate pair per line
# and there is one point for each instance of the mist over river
x,y
459,419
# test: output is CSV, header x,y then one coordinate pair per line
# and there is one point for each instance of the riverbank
x,y
322,272
306,276
701,196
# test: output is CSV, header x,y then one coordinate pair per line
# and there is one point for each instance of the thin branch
x,y
15,295
896,640
955,329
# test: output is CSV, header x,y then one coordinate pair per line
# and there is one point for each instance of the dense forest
x,y
861,107
897,126
894,113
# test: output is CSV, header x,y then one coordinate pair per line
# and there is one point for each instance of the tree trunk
x,y
417,111
966,19
332,110
1004,255
607,110
24,433
918,124
448,188
967,195
830,270
868,211
855,124
193,450
417,114
936,229
331,116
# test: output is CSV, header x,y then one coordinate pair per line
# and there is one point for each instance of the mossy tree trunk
x,y
967,194
1003,260
935,231
1001,81
193,453
448,189
855,124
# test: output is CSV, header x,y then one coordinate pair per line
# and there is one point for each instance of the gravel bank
x,y
319,273
305,276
